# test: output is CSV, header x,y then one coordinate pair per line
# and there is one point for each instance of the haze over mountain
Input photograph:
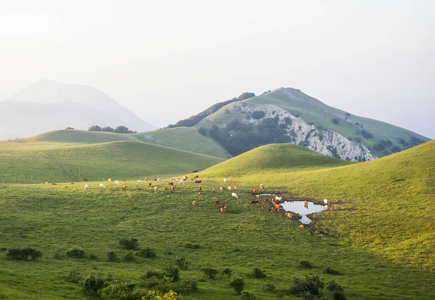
x,y
49,105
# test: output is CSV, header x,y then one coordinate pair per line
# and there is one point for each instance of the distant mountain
x,y
48,105
287,115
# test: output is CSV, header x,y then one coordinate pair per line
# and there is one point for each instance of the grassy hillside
x,y
385,206
238,241
56,162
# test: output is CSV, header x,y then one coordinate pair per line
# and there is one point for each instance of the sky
x,y
169,60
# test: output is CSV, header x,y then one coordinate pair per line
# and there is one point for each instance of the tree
x,y
94,128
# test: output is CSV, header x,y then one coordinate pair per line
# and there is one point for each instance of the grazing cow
x,y
269,209
117,182
235,195
172,189
109,180
102,186
229,188
301,226
265,200
155,189
184,178
289,215
149,184
198,181
199,193
213,190
235,187
165,188
199,189
222,188
216,201
170,183
262,186
181,182
86,186
124,187
254,201
255,191
146,179
278,198
225,180
257,196
325,201
139,189
223,208
158,179
194,203
231,179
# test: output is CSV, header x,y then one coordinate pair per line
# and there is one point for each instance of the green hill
x,y
287,115
27,162
385,206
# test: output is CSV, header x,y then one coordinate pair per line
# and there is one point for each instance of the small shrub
x,y
74,275
332,286
129,244
335,121
247,295
153,295
227,271
305,264
92,284
128,256
93,257
150,274
269,287
192,246
258,273
331,271
182,263
120,290
209,272
310,285
76,252
111,256
23,254
172,273
147,253
238,284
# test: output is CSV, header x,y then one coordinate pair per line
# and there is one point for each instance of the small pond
x,y
302,209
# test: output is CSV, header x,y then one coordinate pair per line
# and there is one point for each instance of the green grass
x,y
385,206
36,162
243,238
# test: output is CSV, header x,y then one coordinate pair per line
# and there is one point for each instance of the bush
x,y
153,295
335,121
238,284
269,287
305,264
311,285
247,295
92,284
23,254
331,271
147,253
172,273
74,275
76,252
192,246
120,290
129,244
111,256
258,273
129,256
209,272
182,263
227,271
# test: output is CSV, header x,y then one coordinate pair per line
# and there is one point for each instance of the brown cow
x,y
255,191
265,200
194,203
254,201
198,181
149,184
124,187
216,201
223,208
199,193
139,189
165,188
289,215
171,183
199,189
301,226
213,190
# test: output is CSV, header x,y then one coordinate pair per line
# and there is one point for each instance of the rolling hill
x,y
287,115
385,206
49,105
93,156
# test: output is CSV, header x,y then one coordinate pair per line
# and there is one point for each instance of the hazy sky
x,y
168,60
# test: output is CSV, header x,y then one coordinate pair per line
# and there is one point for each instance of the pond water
x,y
302,209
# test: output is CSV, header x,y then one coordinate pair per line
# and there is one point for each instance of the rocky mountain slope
x,y
287,115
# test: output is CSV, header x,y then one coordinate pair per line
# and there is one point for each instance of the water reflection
x,y
303,208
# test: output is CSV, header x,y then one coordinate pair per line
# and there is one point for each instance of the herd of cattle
x,y
270,204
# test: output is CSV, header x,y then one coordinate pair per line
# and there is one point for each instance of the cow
x,y
199,189
229,188
102,186
149,184
155,189
262,186
109,180
117,182
194,203
278,198
301,226
86,186
165,188
199,193
213,190
255,191
235,187
235,195
124,187
265,200
254,201
198,181
216,201
289,215
170,183
325,201
223,208
139,189
222,188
